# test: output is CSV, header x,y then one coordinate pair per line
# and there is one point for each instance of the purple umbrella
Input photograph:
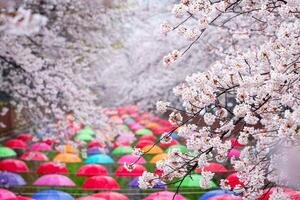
x,y
135,184
54,180
8,179
95,150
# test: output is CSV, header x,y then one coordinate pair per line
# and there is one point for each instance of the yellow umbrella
x,y
159,157
69,149
67,158
150,149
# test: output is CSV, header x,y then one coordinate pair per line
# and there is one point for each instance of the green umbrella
x,y
122,150
194,181
144,131
87,130
181,148
84,137
6,152
123,127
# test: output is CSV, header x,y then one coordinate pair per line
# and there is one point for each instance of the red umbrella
x,y
13,165
92,170
117,144
235,143
137,171
94,143
20,198
41,146
16,144
52,168
34,155
158,172
111,196
233,180
226,197
148,137
142,143
166,145
49,141
214,167
6,194
131,159
26,137
90,198
101,183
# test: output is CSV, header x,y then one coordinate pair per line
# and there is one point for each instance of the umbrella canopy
x,y
235,143
101,183
143,143
54,180
226,197
52,168
148,137
214,193
159,157
150,149
95,143
180,147
70,149
111,196
123,127
135,184
8,179
214,167
84,137
234,153
135,126
40,146
26,137
233,180
92,170
131,159
6,152
144,131
122,150
16,144
137,171
90,198
67,158
87,131
20,198
171,143
13,165
95,150
52,194
165,195
6,194
193,181
34,155
99,159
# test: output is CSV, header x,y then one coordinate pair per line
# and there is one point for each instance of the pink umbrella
x,y
41,146
226,197
54,180
234,153
6,194
90,198
165,195
131,159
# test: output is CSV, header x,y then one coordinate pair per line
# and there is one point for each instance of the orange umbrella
x,y
159,157
150,149
69,149
67,158
151,125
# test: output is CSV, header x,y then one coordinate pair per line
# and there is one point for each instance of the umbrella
x,y
143,143
84,137
214,167
6,194
135,184
101,183
148,137
111,196
235,143
6,152
8,179
233,180
226,197
144,131
26,137
131,159
193,181
70,149
150,149
41,146
86,131
159,157
99,158
122,150
135,126
234,153
34,155
52,194
52,168
92,170
94,143
54,180
152,125
171,143
180,147
90,198
123,127
13,165
67,158
20,198
95,150
137,171
16,144
164,195
214,193
129,120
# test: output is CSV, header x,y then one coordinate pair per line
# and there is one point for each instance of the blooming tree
x,y
251,94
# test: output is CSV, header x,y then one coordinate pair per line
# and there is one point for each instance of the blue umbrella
x,y
175,136
52,195
95,150
8,179
214,193
99,159
135,184
129,120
